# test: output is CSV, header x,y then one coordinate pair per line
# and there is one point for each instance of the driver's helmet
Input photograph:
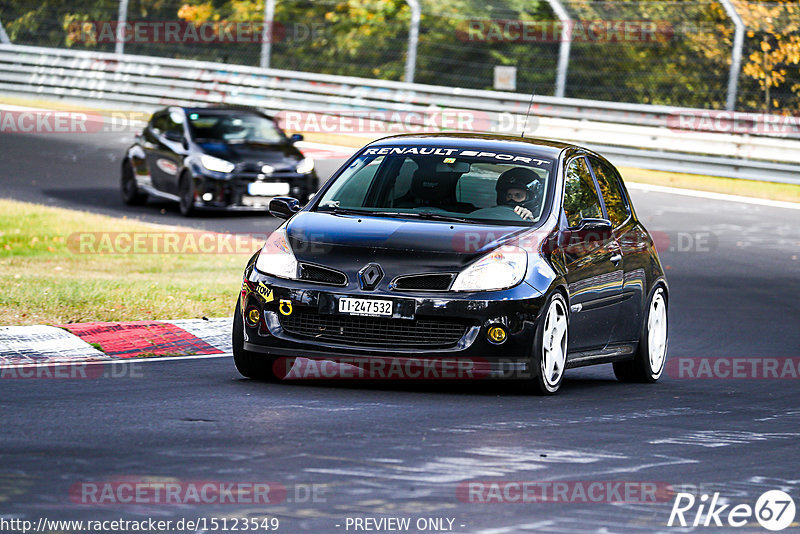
x,y
517,178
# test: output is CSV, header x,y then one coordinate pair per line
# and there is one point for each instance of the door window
x,y
580,196
608,180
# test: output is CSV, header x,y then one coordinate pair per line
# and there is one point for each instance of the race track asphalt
x,y
394,449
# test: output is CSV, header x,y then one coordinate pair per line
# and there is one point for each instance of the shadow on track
x,y
477,387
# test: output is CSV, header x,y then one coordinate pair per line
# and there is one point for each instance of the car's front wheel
x,y
549,357
651,353
187,193
250,364
131,194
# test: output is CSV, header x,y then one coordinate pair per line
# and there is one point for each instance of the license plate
x,y
365,307
249,201
268,189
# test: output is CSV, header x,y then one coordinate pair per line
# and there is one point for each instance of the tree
x,y
775,28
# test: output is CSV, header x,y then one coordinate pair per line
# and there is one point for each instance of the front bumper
x,y
276,300
231,191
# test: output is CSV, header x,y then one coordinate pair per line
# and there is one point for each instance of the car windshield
x,y
442,184
234,128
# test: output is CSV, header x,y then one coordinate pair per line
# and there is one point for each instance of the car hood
x,y
349,242
280,156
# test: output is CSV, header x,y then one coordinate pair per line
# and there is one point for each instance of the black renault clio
x,y
217,157
520,257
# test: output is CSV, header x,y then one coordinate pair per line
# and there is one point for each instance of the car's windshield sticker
x,y
424,151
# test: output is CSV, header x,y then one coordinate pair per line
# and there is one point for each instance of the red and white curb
x,y
106,341
324,151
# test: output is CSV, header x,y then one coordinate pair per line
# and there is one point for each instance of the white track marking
x,y
713,196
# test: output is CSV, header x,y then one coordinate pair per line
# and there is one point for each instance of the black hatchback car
x,y
223,157
496,256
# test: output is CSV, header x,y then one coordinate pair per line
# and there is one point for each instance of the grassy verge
x,y
45,279
730,186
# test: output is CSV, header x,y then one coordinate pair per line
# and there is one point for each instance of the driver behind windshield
x,y
518,189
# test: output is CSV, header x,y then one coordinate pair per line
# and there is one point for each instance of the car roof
x,y
223,110
529,145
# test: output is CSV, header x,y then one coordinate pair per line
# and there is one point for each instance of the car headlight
x,y
500,269
305,166
276,257
216,164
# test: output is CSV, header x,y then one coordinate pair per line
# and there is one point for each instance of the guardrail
x,y
629,134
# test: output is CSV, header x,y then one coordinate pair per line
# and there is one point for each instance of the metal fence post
x,y
266,33
413,40
122,20
564,48
736,54
3,35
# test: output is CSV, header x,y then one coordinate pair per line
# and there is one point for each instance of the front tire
x,y
250,364
549,357
131,194
187,193
651,353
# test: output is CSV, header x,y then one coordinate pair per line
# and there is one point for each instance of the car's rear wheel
x,y
549,357
131,194
651,353
250,364
187,193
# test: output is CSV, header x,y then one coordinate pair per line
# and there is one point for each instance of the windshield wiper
x,y
424,215
342,211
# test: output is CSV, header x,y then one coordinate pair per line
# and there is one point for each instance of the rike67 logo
x,y
774,510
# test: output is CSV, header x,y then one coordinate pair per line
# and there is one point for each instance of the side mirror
x,y
295,138
283,207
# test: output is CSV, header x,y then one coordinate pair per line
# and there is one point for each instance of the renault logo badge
x,y
370,275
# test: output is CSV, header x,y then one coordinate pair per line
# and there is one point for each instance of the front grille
x,y
424,282
374,331
323,275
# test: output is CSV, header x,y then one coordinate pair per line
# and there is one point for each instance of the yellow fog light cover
x,y
253,316
496,334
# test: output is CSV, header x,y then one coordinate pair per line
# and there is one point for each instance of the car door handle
x,y
616,258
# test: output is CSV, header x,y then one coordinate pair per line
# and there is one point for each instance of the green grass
x,y
46,281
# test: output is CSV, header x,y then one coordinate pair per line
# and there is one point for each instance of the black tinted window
x,y
608,180
159,124
234,128
580,195
173,125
